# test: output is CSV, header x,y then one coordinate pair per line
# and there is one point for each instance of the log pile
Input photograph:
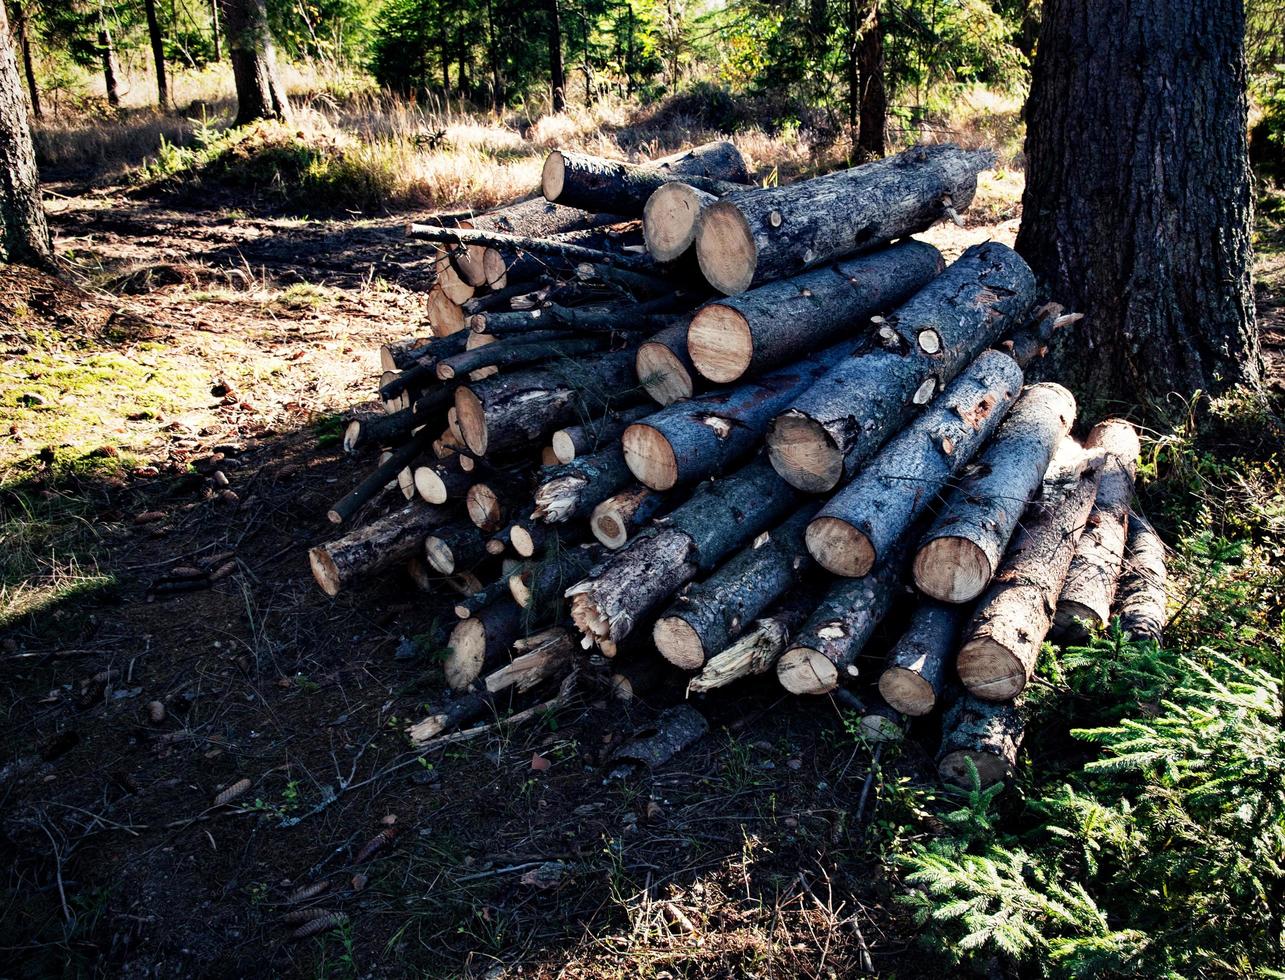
x,y
779,438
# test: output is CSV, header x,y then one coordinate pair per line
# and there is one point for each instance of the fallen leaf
x,y
539,763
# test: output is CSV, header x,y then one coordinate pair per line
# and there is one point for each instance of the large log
x,y
721,517
520,408
587,438
959,553
663,366
613,520
388,541
868,518
480,643
783,321
1090,585
708,616
832,428
756,236
1003,639
444,314
823,654
758,648
671,218
918,665
596,184
703,436
1141,595
984,733
574,489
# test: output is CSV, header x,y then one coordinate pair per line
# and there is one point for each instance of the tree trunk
x,y
756,236
388,541
22,214
1138,204
557,78
874,98
24,45
259,93
664,367
158,53
616,517
216,32
832,428
1141,596
865,521
959,554
920,662
986,734
785,320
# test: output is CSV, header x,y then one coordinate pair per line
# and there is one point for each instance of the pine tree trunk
x,y
22,215
557,77
108,54
259,93
216,30
1138,204
874,97
24,43
158,53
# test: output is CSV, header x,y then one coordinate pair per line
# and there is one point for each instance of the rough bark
x,y
595,436
158,53
1003,639
987,734
1138,202
874,97
557,79
671,218
420,373
398,355
1089,589
620,515
379,478
597,184
757,650
759,235
107,53
517,353
664,367
455,547
479,644
574,489
1141,595
835,426
389,541
25,235
259,92
782,321
918,665
706,618
959,554
24,47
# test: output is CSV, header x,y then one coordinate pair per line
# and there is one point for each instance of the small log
x,y
758,649
1141,595
486,507
479,643
455,548
635,677
652,314
526,537
868,518
516,354
406,482
703,436
823,654
757,236
470,605
591,437
918,664
596,184
388,541
988,734
671,218
615,518
1090,586
663,366
1003,639
465,583
958,555
574,489
783,321
879,721
708,616
440,482
385,472
565,252
830,430
398,355
539,585
378,429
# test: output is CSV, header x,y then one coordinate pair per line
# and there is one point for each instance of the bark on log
x,y
650,315
706,618
783,321
480,643
959,554
389,541
1003,639
538,586
596,184
455,548
758,649
527,537
379,478
835,426
562,251
470,605
398,355
595,436
720,518
618,516
378,429
868,518
823,654
757,236
702,436
1141,605
574,489
920,662
987,734
663,366
1090,585
517,353
671,218
443,481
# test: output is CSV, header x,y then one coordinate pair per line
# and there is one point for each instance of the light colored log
x,y
388,541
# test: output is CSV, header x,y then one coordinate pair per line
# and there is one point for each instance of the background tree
x,y
557,78
870,77
24,44
259,93
158,53
22,215
1138,204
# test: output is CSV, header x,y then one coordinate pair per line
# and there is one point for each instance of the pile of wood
x,y
668,418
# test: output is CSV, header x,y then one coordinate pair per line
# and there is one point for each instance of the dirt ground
x,y
756,853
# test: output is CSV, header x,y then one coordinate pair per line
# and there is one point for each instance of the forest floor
x,y
760,851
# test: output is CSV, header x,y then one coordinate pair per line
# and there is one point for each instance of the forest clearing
x,y
482,526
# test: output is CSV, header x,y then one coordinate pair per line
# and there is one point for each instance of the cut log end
x,y
553,177
649,456
720,343
991,769
439,555
467,654
470,417
990,670
352,436
522,541
484,508
670,218
430,486
609,530
802,670
907,691
803,453
663,374
678,642
1076,619
952,569
324,571
564,447
840,548
520,587
725,249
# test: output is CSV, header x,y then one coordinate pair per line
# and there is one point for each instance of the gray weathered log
x,y
986,733
481,643
960,552
574,489
1141,596
785,320
829,431
587,438
922,659
597,184
758,648
613,520
388,541
757,236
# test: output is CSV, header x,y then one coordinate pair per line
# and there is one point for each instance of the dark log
x,y
421,374
984,733
1141,595
706,618
596,184
1030,342
783,321
1089,589
400,354
481,642
959,554
592,437
616,517
636,285
487,595
517,354
918,665
377,480
636,677
574,489
758,648
436,484
868,518
455,548
877,721
652,314
663,366
527,537
671,218
564,252
538,586
388,541
378,429
835,426
757,236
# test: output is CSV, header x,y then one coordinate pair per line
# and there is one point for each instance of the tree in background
x,y
557,77
259,93
872,100
158,53
1138,204
24,45
22,215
